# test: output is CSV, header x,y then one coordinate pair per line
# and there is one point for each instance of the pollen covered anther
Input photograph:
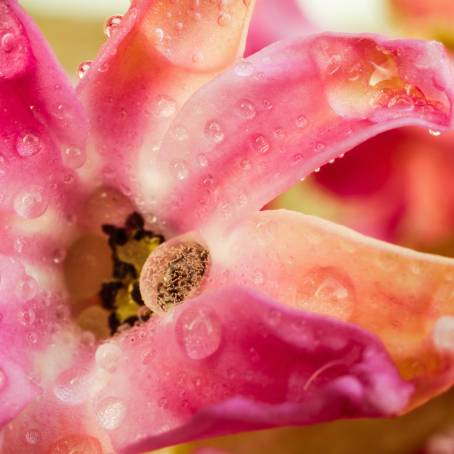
x,y
173,273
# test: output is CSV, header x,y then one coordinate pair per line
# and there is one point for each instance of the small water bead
x,y
74,157
30,204
165,107
111,25
26,289
180,170
245,164
261,144
8,42
71,386
244,68
84,67
214,131
443,333
181,133
224,19
199,332
110,413
246,109
434,133
301,122
28,145
107,356
297,158
202,160
267,104
158,35
26,317
33,436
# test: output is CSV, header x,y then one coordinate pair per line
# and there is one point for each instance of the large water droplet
x,y
199,332
28,145
260,144
30,204
301,122
110,413
214,131
111,25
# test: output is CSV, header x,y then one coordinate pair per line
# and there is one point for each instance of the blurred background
x,y
403,192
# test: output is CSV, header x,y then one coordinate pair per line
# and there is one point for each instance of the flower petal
x,y
274,20
285,111
158,55
40,119
233,360
403,297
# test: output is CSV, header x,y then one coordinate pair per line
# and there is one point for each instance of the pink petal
x,y
158,55
280,114
397,294
233,360
274,20
40,120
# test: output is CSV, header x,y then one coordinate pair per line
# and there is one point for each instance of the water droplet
x,y
434,133
199,332
71,386
244,68
30,204
202,160
198,57
26,289
246,109
28,145
26,316
33,436
8,42
110,413
181,133
111,25
214,131
443,333
76,444
107,356
301,122
297,158
259,279
181,170
74,157
158,35
261,144
267,104
245,164
84,67
165,107
224,19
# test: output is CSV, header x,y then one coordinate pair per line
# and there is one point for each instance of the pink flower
x,y
259,318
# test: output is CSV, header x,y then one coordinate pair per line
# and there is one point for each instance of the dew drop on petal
x,y
181,133
158,35
28,145
199,332
214,131
33,436
301,122
112,23
76,444
260,144
8,42
434,132
244,68
224,19
71,386
84,67
74,157
180,170
245,164
26,317
246,109
110,413
165,107
30,204
107,356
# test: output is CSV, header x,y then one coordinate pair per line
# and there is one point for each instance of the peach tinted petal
x,y
274,20
285,111
403,297
233,360
158,55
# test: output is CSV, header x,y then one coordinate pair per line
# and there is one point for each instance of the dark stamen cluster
x,y
131,245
